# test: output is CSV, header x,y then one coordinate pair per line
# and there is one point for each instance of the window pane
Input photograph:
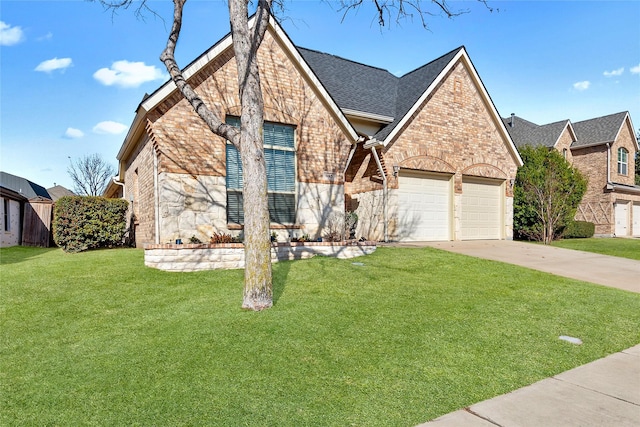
x,y
281,174
282,209
278,135
235,214
234,168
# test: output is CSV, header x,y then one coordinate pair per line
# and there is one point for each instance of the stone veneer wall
x,y
190,257
196,206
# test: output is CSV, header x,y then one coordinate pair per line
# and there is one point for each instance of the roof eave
x,y
370,117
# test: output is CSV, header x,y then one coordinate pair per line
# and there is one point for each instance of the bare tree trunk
x,y
258,293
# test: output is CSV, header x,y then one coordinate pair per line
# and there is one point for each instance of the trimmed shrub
x,y
81,223
579,230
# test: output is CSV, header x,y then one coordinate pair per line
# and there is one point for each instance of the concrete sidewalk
x,y
599,394
604,270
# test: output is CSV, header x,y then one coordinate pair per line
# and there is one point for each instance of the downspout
x,y
609,186
372,144
156,202
121,184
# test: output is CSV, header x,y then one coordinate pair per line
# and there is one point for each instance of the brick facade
x,y
598,203
188,188
453,133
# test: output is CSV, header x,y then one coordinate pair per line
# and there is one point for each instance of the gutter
x,y
372,144
156,202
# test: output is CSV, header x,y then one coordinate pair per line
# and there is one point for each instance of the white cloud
x,y
128,74
635,70
10,35
54,64
47,36
73,133
614,73
109,127
582,85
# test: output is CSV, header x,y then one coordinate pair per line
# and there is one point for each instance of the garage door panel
x,y
423,207
621,211
636,220
481,208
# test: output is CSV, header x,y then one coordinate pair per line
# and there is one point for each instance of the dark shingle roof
x,y
23,186
353,85
524,132
359,87
599,130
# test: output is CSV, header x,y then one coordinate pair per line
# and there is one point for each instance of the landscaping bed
x,y
199,257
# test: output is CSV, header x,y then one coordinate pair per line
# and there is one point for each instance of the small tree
x,y
90,175
547,193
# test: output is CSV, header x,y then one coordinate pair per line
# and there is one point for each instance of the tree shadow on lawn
x,y
18,254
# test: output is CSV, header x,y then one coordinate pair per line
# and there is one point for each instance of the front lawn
x,y
626,248
98,339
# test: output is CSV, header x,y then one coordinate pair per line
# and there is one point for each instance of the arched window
x,y
623,156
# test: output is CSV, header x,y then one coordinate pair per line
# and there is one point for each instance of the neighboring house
x,y
604,150
421,157
58,191
26,212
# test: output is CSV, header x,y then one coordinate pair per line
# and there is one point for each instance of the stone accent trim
x,y
201,257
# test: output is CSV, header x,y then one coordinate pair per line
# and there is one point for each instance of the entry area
x,y
424,207
482,209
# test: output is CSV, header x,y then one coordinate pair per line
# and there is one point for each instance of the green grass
x,y
98,339
626,248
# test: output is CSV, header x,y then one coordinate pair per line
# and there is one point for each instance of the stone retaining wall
x,y
198,257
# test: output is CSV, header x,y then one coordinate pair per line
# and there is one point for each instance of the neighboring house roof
x,y
599,130
525,132
23,186
59,191
587,132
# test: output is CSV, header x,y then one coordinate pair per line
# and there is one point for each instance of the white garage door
x,y
636,219
423,207
481,210
622,219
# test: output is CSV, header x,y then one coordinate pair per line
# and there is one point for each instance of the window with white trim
x,y
280,158
623,156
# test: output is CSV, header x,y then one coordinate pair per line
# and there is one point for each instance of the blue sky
x,y
72,75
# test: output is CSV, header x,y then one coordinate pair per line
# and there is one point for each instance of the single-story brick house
x,y
424,156
604,150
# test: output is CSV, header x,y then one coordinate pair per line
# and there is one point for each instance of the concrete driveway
x,y
604,270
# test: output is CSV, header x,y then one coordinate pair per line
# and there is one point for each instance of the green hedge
x,y
81,223
579,230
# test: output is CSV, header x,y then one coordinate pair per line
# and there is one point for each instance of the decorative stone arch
x,y
485,170
427,163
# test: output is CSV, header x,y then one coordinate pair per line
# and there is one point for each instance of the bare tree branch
x,y
90,175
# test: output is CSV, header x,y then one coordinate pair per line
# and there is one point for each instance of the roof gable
x,y
599,130
169,88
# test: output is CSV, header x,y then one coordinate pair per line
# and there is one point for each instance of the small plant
x,y
194,240
221,238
